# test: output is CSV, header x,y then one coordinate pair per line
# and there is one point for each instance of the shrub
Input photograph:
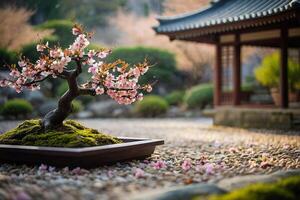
x,y
61,30
151,106
164,61
268,72
76,106
199,96
175,97
7,57
16,107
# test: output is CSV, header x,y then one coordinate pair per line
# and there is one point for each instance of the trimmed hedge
x,y
62,30
16,107
7,57
151,106
164,61
199,96
175,97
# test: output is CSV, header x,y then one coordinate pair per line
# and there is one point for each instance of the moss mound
x,y
71,134
286,189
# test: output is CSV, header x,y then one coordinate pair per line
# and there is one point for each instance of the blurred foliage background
x,y
182,70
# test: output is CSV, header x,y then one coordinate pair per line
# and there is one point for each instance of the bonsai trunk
x,y
55,118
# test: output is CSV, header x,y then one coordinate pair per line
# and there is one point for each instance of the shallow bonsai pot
x,y
87,157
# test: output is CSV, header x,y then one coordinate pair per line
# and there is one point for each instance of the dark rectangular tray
x,y
87,157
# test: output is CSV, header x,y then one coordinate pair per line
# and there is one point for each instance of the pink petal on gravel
x,y
139,173
22,196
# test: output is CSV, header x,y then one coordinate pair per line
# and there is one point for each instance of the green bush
x,y
175,97
16,107
30,52
76,106
199,96
7,57
268,72
151,106
62,30
164,61
286,189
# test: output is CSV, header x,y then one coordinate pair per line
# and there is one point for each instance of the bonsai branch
x,y
36,81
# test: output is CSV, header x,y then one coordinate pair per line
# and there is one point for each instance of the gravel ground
x,y
194,152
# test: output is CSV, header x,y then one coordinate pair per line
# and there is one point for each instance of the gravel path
x,y
194,152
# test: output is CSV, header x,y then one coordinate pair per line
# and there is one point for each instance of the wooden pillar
x,y
284,90
218,75
237,71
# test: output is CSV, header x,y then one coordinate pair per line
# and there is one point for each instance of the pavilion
x,y
231,24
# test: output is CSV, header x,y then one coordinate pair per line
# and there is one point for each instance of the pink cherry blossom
x,y
149,88
91,53
139,173
110,173
65,170
99,90
51,169
93,69
118,80
90,61
22,63
140,97
80,43
75,31
40,47
21,195
186,165
4,83
103,54
159,164
209,168
78,171
14,73
56,53
199,167
43,168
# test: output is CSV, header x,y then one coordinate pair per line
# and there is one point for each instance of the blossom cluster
x,y
117,79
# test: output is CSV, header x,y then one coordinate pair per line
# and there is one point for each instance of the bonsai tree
x,y
268,72
117,79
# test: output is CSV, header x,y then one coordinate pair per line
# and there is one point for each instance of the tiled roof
x,y
225,11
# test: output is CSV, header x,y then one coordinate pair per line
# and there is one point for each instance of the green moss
x,y
286,189
71,134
